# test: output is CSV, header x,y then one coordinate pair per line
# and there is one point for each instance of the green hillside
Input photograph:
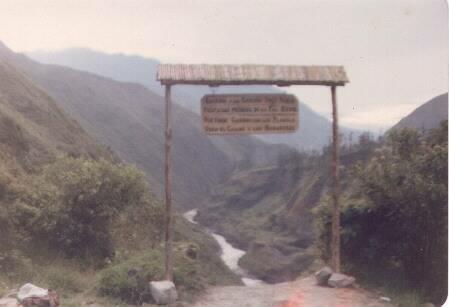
x,y
34,130
73,217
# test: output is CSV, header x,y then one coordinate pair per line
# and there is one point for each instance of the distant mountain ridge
x,y
427,116
314,130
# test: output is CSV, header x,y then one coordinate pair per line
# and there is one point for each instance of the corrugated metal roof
x,y
251,74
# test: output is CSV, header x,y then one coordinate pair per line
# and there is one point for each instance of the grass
x,y
65,277
113,285
65,281
197,266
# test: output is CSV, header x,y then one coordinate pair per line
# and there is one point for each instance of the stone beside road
x,y
30,290
30,295
323,275
338,280
326,276
163,292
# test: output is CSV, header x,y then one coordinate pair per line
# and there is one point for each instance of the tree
x,y
407,185
396,218
77,201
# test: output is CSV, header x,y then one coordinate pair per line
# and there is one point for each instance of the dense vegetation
x,y
78,215
73,207
394,215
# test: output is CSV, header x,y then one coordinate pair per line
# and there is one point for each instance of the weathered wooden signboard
x,y
249,113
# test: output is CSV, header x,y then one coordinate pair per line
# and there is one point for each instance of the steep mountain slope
x,y
427,116
129,118
314,130
33,129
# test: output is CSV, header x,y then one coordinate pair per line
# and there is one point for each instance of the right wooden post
x,y
335,241
168,190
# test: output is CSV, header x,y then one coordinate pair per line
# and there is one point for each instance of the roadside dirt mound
x,y
300,293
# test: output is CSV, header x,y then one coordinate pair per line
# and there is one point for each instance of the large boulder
x,y
323,275
30,295
338,280
163,292
30,290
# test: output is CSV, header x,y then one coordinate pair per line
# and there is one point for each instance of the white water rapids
x,y
229,254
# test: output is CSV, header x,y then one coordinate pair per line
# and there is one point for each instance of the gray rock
x,y
9,302
163,292
30,295
338,280
30,290
323,275
428,305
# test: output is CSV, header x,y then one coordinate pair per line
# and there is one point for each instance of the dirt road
x,y
300,293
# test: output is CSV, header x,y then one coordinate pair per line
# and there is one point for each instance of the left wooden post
x,y
168,191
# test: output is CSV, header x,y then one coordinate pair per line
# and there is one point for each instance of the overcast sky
x,y
395,52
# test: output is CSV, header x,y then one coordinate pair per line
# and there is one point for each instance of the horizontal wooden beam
x,y
251,74
217,84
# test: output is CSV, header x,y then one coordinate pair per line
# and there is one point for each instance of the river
x,y
229,254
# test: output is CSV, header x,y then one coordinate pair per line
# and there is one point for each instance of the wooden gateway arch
x,y
279,75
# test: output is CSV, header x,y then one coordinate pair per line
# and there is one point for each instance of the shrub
x,y
73,205
129,280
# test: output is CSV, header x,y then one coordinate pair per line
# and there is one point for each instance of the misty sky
x,y
395,52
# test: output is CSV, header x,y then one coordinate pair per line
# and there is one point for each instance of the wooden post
x,y
335,243
168,192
